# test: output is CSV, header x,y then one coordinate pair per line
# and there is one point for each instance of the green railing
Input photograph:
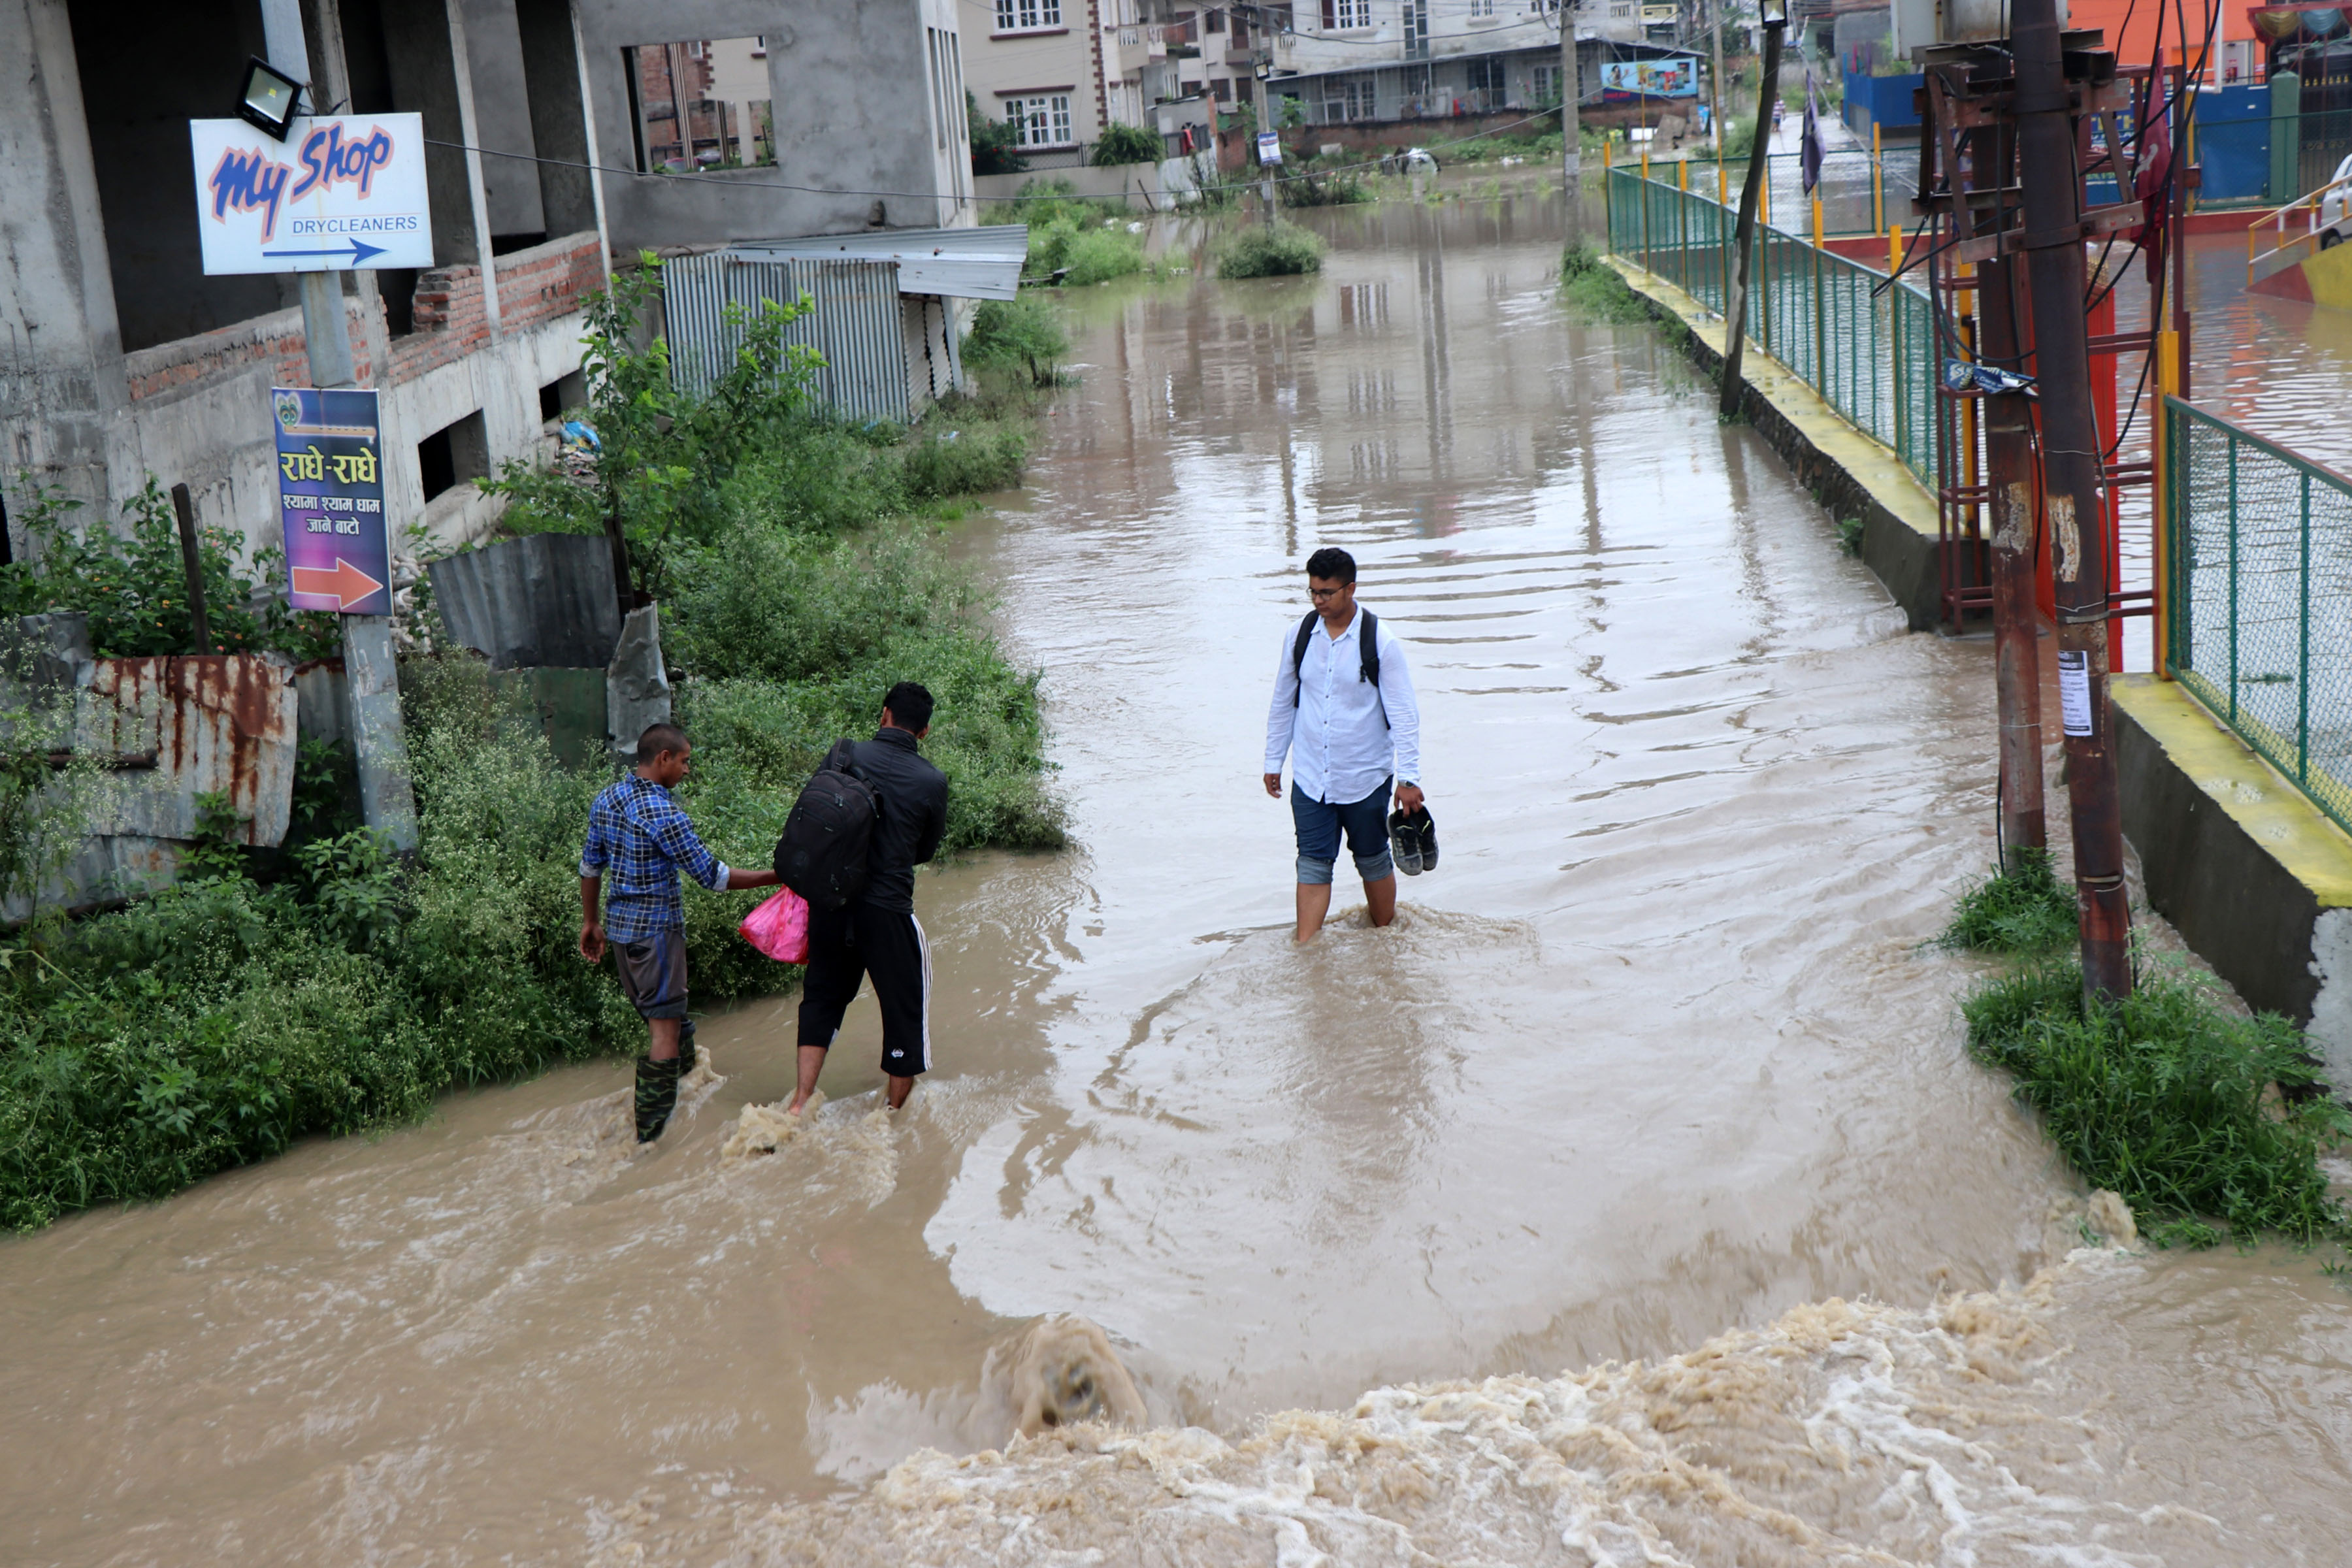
x,y
1871,356
2258,563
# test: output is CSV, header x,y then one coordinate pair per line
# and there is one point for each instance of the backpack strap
x,y
1298,652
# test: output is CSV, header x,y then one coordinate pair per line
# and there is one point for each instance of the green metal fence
x,y
2259,566
1872,357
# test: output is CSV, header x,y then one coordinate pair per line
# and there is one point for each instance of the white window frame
x,y
1351,13
1027,16
1042,120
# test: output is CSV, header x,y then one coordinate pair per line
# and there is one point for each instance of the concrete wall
x,y
2249,873
1139,182
858,113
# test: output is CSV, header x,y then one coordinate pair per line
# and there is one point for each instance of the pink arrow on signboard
x,y
346,584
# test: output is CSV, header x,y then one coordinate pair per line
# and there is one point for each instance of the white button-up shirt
x,y
1340,748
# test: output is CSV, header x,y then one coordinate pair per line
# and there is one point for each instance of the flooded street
x,y
1656,1056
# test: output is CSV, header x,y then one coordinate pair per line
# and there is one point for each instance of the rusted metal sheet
x,y
215,723
544,599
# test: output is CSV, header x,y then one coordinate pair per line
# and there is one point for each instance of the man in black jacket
x,y
878,934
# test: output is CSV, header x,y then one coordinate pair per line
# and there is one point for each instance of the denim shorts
x,y
1319,824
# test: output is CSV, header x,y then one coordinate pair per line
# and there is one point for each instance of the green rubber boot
x,y
656,1096
685,1047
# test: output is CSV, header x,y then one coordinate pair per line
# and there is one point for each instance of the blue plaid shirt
x,y
636,830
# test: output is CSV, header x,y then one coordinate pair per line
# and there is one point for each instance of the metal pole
x,y
192,563
1571,95
1715,87
1735,331
371,672
2016,619
2052,241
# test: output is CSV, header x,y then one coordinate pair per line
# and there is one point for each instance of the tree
x,y
1128,144
996,143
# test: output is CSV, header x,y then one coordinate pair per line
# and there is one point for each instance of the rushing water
x,y
1656,1056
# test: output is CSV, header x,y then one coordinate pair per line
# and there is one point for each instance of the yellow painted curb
x,y
1874,467
2250,792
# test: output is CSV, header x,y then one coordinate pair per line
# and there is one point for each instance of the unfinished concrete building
x,y
567,133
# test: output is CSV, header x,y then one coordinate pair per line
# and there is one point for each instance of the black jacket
x,y
914,816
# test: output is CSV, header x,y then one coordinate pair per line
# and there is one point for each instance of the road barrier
x,y
2258,551
1869,348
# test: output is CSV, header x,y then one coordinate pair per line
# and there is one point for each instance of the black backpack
x,y
1367,653
822,853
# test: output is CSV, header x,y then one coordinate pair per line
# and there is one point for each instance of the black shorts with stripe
x,y
847,945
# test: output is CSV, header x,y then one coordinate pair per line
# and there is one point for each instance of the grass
x,y
2190,1113
1269,250
1594,290
2022,911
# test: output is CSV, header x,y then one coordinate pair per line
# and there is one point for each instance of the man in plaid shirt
x,y
637,832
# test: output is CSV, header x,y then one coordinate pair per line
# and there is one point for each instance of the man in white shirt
x,y
1343,713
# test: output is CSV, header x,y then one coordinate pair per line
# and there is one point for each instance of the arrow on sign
x,y
346,584
359,250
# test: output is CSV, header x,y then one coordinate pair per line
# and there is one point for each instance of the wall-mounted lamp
x,y
1774,12
270,98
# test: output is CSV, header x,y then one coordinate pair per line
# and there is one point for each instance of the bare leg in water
x,y
812,1063
1315,904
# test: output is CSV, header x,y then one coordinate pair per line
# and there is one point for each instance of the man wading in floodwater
x,y
637,828
877,933
1344,714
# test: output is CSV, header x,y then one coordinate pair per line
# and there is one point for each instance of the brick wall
x,y
449,317
548,280
275,340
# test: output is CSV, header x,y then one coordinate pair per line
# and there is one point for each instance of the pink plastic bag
x,y
779,926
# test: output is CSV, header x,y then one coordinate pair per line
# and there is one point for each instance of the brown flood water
x,y
1656,1056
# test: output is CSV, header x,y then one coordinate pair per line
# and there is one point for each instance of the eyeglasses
x,y
1321,594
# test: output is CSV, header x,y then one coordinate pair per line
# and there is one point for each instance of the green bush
x,y
1122,144
1594,289
2183,1108
1025,331
1099,255
1313,188
1276,250
965,460
2024,910
995,145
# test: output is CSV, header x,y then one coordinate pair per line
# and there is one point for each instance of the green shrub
x,y
995,145
2024,910
1276,250
1313,188
2183,1108
1025,331
1099,255
1121,143
1594,289
965,460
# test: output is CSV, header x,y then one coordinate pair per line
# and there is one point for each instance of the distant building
x,y
118,357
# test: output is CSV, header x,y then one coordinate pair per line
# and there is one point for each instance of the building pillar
x,y
553,82
60,343
425,45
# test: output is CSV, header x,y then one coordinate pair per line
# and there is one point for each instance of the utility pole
x,y
1571,94
1714,81
2051,189
2009,482
1735,329
371,676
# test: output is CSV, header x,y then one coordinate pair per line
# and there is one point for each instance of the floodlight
x,y
271,98
1774,12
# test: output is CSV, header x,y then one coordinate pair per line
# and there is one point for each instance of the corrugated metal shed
x,y
544,599
853,324
954,263
180,727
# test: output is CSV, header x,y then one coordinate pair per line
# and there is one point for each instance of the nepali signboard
x,y
340,192
1269,147
331,498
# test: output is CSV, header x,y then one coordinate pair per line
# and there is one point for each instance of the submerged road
x,y
1657,1053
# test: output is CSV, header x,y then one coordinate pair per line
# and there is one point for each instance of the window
x,y
1027,16
1486,74
1482,10
1347,13
1041,121
699,105
1347,98
1546,81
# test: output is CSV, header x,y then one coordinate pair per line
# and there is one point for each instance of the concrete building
x,y
1350,61
711,120
1040,67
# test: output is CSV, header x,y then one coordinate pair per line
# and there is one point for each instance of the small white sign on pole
x,y
340,193
1269,147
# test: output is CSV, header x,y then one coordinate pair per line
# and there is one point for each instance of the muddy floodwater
x,y
1644,1148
